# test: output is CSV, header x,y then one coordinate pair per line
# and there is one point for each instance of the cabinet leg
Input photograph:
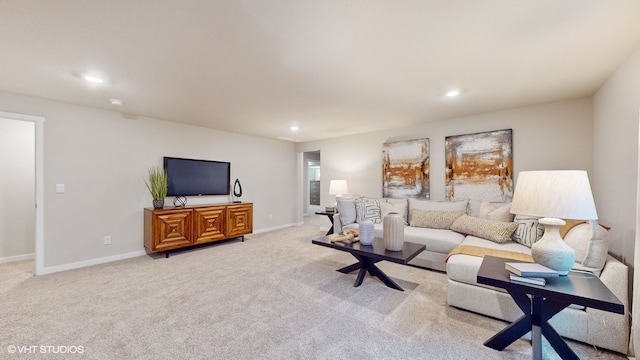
x,y
166,255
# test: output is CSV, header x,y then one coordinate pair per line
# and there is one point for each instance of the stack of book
x,y
530,273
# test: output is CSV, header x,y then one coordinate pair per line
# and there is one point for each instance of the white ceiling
x,y
332,67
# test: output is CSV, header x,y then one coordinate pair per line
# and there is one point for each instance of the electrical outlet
x,y
107,240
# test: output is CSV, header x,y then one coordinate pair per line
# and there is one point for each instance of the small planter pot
x,y
158,204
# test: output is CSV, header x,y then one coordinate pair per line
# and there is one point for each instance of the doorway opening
x,y
24,220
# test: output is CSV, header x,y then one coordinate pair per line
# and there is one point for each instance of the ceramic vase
x,y
365,228
551,251
393,231
158,204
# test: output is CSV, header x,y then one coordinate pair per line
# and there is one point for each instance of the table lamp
x,y
554,195
338,188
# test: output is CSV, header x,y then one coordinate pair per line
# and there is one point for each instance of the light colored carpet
x,y
274,296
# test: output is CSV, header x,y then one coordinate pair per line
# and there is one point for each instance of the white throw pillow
x,y
490,211
529,230
591,243
347,210
400,205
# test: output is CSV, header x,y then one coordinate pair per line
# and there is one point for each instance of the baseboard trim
x,y
10,259
81,264
276,228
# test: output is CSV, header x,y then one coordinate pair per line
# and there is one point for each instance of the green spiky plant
x,y
157,183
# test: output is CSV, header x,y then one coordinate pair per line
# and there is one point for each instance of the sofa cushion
x,y
497,231
436,240
490,211
464,268
347,210
434,219
591,244
368,208
528,230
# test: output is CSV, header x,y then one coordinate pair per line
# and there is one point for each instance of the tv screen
x,y
190,177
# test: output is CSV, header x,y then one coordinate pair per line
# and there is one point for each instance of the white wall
x,y
17,189
616,114
550,136
102,157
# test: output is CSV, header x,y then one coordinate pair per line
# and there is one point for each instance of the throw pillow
x,y
431,205
498,213
368,208
591,243
387,208
434,219
400,206
347,210
528,230
496,231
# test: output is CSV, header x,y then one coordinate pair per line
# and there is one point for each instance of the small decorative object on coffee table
x,y
365,227
393,231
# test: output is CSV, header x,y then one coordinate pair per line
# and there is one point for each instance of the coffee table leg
x,y
375,271
360,278
352,267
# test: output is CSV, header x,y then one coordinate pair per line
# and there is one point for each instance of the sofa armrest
x,y
337,224
610,328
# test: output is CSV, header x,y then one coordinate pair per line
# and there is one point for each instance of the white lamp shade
x,y
564,194
338,187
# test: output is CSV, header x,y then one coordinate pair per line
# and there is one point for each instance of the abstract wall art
x,y
479,166
405,169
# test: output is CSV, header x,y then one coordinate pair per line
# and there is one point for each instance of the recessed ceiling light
x,y
294,128
116,102
452,93
93,79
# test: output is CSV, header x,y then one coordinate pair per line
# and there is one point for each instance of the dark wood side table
x,y
330,216
369,255
576,288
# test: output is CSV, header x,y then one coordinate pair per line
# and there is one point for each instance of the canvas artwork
x,y
405,169
479,166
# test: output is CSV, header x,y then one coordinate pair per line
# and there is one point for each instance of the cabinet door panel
x,y
172,229
209,224
239,220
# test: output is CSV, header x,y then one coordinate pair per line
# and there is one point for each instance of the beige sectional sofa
x,y
484,225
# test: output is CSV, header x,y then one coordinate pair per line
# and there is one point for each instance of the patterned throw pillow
x,y
434,219
368,208
528,230
496,231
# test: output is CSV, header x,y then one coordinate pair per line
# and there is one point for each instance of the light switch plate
x,y
59,188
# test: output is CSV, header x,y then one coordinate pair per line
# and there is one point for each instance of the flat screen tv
x,y
191,177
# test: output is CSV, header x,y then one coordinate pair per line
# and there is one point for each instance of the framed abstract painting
x,y
405,169
479,166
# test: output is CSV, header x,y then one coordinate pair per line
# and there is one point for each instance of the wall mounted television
x,y
191,177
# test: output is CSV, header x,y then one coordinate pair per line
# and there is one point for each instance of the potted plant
x,y
157,185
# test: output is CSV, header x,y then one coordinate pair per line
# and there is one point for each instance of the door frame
x,y
39,182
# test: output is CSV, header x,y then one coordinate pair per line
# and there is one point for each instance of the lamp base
x,y
551,251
